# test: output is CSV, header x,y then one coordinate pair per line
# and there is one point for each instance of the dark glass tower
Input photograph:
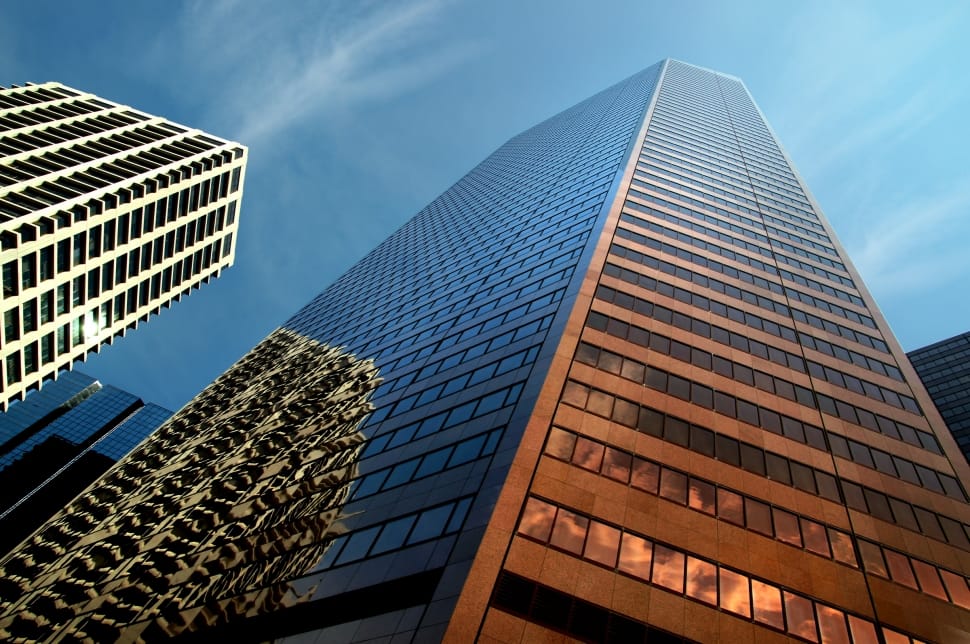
x,y
632,391
944,367
57,441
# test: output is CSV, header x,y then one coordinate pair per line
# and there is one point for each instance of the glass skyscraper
x,y
60,439
632,390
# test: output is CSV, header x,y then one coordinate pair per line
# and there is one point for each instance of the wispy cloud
x,y
919,243
279,65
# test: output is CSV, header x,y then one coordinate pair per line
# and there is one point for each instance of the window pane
x,y
957,586
767,604
616,464
702,580
701,496
758,516
668,568
815,540
831,623
588,455
602,544
730,506
560,443
786,527
673,486
393,534
600,403
735,596
537,519
872,558
635,556
645,475
899,569
929,581
801,619
842,549
863,631
569,531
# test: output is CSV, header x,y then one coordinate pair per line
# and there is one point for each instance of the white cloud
x,y
921,242
272,66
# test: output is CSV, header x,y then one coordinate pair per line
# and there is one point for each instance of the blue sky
x,y
357,114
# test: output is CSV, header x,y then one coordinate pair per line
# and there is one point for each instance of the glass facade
x,y
632,390
59,440
944,368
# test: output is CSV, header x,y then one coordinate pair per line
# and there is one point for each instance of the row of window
x,y
655,178
657,152
465,381
748,296
33,94
434,462
756,415
651,184
87,245
469,276
744,276
472,353
684,118
92,179
486,404
725,238
685,113
754,378
60,133
394,534
582,619
756,460
748,318
659,144
680,170
84,328
696,578
748,512
476,329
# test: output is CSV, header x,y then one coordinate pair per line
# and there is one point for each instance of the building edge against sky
x,y
631,388
107,215
944,368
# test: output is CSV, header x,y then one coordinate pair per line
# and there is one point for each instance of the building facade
x,y
944,368
59,440
107,214
633,390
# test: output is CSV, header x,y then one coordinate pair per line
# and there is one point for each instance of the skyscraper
x,y
60,439
107,214
944,368
633,390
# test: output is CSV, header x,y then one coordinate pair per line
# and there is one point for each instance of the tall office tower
x,y
57,441
632,391
944,368
107,214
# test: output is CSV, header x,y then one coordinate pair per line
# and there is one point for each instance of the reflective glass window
x,y
668,568
735,596
569,531
636,555
602,544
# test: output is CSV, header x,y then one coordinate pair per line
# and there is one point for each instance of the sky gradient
x,y
357,114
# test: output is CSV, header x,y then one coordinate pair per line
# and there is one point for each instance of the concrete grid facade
x,y
633,390
107,214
